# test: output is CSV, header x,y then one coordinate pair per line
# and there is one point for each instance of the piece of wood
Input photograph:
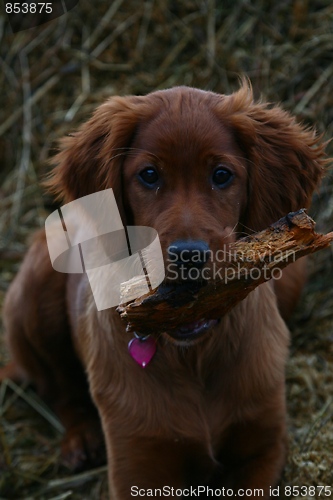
x,y
250,262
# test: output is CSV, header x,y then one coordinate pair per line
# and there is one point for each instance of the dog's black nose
x,y
189,253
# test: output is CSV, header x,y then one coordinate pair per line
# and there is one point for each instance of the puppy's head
x,y
199,167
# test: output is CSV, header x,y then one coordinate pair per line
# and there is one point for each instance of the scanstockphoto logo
x,y
87,236
26,14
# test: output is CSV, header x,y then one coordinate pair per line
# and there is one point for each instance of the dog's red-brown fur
x,y
212,413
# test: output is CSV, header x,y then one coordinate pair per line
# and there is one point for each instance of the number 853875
x,y
28,8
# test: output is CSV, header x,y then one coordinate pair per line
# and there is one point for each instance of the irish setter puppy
x,y
209,410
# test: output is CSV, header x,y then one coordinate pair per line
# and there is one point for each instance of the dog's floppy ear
x,y
91,159
285,159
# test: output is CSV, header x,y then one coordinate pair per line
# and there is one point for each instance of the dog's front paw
x,y
83,446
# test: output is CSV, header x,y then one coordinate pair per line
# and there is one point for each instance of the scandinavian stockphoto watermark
x,y
226,264
87,236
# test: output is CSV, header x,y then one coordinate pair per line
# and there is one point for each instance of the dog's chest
x,y
182,407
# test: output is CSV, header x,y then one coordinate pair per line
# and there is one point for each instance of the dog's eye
x,y
149,176
222,177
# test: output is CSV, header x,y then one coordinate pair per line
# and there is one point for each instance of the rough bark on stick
x,y
250,262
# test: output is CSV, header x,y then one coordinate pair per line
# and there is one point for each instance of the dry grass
x,y
51,79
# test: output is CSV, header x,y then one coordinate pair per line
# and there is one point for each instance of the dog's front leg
x,y
254,455
155,466
143,466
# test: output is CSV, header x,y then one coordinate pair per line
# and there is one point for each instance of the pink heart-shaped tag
x,y
142,351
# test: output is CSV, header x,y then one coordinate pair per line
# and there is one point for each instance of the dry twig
x,y
167,308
